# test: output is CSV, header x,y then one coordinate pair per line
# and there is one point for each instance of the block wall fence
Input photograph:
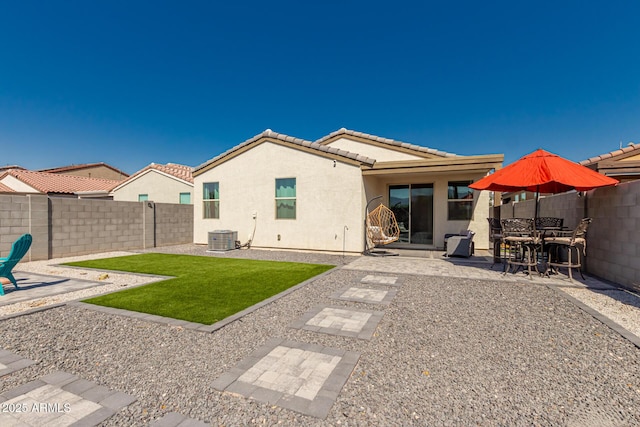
x,y
67,226
613,238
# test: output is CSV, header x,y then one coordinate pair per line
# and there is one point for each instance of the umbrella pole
x,y
535,213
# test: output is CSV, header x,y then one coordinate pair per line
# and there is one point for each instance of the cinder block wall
x,y
84,226
613,241
174,224
67,226
20,214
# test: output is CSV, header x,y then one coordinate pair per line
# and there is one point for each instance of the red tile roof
x,y
60,183
179,171
622,150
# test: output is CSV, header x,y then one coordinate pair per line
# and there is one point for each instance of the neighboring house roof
x,y
622,164
391,143
289,141
72,168
4,168
180,172
59,183
5,189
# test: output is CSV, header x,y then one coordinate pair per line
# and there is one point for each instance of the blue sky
x,y
130,82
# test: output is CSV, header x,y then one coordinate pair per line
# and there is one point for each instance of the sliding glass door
x,y
413,207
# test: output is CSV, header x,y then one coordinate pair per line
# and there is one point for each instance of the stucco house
x,y
289,193
170,183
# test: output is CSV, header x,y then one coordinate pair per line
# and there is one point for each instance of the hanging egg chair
x,y
382,227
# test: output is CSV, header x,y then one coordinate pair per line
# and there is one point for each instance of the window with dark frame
x,y
460,201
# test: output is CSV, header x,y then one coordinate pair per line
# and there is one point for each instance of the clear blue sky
x,y
131,82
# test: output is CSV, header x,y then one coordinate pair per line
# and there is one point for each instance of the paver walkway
x,y
307,378
479,268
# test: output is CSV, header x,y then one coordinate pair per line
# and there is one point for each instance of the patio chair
x,y
522,243
18,250
548,222
574,243
460,244
495,237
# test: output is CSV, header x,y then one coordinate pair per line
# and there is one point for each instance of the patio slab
x,y
346,322
60,399
305,378
33,286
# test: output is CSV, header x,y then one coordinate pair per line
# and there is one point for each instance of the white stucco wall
x,y
18,185
328,198
380,154
161,188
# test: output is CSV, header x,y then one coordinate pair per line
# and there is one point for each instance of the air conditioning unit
x,y
222,240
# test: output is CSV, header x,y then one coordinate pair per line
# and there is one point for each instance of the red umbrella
x,y
543,172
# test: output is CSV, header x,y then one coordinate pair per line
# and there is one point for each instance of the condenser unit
x,y
222,240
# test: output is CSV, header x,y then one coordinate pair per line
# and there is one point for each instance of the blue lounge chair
x,y
18,250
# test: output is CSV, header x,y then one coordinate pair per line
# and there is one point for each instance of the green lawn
x,y
205,289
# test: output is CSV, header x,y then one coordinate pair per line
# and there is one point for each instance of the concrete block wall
x,y
20,214
174,224
613,241
84,226
67,226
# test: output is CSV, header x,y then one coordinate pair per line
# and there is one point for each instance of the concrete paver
x,y
303,377
60,399
339,321
365,295
11,362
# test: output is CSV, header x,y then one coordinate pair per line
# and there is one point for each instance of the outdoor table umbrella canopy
x,y
543,172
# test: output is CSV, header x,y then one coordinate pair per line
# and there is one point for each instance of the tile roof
x,y
387,141
182,172
60,183
69,168
623,150
5,189
297,141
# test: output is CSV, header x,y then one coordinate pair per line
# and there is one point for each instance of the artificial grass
x,y
205,289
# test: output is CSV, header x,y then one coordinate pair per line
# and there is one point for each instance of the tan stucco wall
x,y
380,154
160,188
328,198
100,171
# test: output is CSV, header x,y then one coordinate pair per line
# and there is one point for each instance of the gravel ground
x,y
448,351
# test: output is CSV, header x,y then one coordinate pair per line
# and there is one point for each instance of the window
x,y
460,200
185,198
286,198
143,197
211,200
